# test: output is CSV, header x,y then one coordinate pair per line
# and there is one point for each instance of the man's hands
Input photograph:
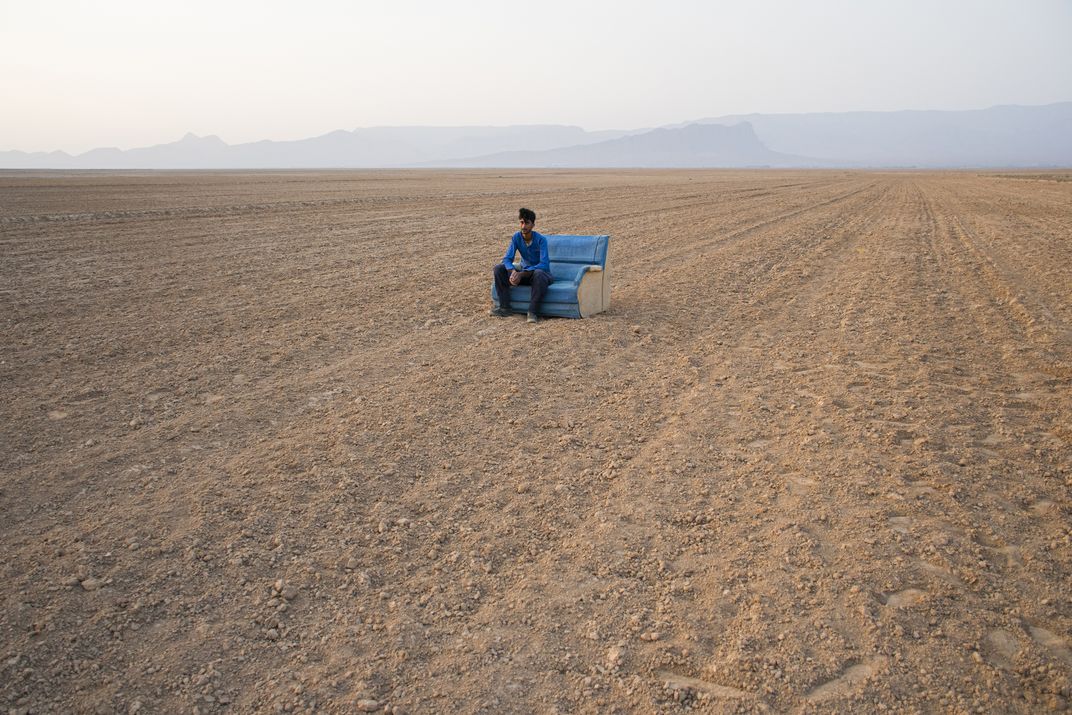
x,y
517,276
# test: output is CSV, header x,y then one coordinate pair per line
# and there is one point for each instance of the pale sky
x,y
79,74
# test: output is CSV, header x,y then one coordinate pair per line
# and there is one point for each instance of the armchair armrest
x,y
592,284
579,272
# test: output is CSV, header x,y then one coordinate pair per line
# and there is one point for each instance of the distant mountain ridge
x,y
691,146
1007,135
1002,136
374,147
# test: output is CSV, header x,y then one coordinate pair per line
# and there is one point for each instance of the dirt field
x,y
263,449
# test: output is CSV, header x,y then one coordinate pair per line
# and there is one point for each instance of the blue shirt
x,y
533,256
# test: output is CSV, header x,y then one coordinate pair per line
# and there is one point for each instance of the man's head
x,y
527,218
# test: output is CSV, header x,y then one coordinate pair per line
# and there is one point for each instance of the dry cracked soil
x,y
262,449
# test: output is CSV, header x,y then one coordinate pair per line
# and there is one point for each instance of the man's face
x,y
526,227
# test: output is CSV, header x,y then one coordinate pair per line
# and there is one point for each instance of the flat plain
x,y
263,450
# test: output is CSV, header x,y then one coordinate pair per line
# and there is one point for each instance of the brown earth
x,y
263,449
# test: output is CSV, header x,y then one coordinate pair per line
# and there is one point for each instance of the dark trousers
x,y
539,280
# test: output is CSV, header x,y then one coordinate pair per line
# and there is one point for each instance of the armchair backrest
x,y
585,250
569,254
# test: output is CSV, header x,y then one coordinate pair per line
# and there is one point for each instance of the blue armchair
x,y
581,285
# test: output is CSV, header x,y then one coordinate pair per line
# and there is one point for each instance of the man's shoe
x,y
533,318
499,312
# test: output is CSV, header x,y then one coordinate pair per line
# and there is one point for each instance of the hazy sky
x,y
79,74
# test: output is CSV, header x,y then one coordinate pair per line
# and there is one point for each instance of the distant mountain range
x,y
690,146
999,136
1005,136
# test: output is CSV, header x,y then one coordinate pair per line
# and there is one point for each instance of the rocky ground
x,y
263,449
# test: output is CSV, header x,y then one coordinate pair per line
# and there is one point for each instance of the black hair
x,y
527,215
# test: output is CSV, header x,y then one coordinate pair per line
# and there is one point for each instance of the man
x,y
535,267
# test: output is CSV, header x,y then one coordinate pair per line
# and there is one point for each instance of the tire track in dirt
x,y
1016,265
1030,313
752,497
1034,325
959,418
726,237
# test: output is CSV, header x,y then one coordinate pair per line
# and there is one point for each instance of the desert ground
x,y
262,448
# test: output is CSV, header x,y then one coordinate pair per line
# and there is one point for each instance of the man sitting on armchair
x,y
535,267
